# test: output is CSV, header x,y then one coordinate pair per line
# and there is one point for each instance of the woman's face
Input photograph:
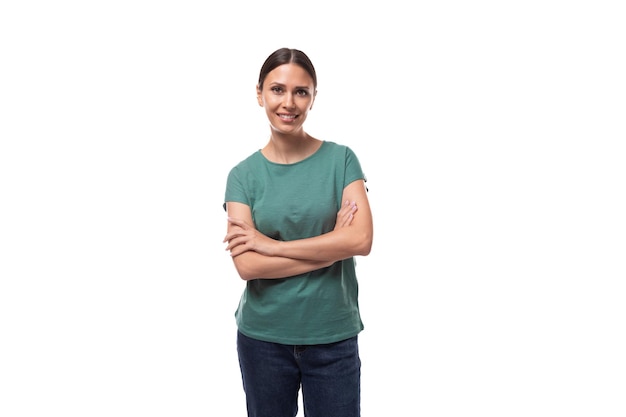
x,y
287,96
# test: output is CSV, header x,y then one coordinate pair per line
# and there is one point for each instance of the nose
x,y
289,102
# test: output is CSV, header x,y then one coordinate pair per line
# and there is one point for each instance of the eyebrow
x,y
283,85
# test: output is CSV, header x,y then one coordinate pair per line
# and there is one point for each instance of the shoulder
x,y
339,151
337,148
249,163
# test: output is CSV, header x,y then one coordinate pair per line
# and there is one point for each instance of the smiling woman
x,y
298,214
287,93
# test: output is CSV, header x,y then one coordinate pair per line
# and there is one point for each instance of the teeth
x,y
287,116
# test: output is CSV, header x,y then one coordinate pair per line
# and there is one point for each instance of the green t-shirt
x,y
289,202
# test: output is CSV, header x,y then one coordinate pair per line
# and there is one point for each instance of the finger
x,y
233,243
239,249
349,212
345,209
232,235
345,219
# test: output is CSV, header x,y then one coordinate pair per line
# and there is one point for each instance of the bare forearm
x,y
330,247
251,265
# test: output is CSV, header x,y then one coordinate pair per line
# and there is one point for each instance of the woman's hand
x,y
244,237
345,214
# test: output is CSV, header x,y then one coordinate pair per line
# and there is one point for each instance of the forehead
x,y
289,74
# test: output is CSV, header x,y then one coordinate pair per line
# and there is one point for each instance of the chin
x,y
287,129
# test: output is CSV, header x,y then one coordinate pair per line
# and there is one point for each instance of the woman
x,y
298,213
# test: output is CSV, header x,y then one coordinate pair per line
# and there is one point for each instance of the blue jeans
x,y
272,373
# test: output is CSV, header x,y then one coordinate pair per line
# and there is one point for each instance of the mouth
x,y
286,117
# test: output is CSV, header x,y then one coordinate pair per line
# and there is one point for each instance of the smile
x,y
287,117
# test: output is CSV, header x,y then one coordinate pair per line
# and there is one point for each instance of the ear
x,y
259,96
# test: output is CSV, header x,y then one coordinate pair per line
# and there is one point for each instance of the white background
x,y
491,134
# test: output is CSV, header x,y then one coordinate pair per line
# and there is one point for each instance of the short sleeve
x,y
235,189
353,168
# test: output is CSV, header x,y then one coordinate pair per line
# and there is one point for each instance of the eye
x,y
277,90
302,93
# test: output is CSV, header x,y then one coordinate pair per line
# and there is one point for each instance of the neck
x,y
288,149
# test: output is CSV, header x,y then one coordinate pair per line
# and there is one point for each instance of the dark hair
x,y
286,56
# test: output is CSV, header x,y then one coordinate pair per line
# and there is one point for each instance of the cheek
x,y
269,102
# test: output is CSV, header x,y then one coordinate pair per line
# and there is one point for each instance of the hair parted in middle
x,y
286,56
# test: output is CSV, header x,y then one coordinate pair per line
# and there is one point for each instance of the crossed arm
x,y
258,256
